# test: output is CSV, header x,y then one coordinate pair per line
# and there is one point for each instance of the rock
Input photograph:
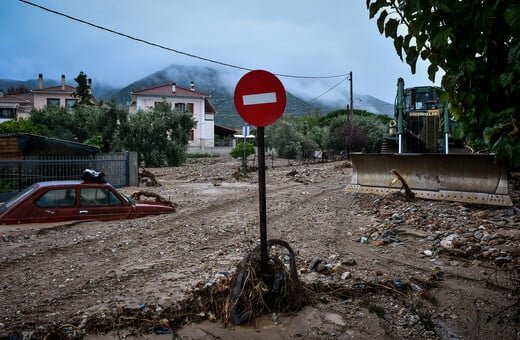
x,y
346,275
315,261
501,260
321,268
447,242
339,268
374,235
457,243
513,234
349,262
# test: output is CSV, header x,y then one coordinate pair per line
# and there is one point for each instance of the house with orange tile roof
x,y
20,105
15,106
185,100
60,95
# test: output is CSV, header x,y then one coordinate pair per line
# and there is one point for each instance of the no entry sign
x,y
260,98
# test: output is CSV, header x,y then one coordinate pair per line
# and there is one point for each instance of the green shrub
x,y
238,151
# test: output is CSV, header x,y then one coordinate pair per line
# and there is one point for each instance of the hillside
x,y
217,83
210,81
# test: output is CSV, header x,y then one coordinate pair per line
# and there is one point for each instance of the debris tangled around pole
x,y
254,293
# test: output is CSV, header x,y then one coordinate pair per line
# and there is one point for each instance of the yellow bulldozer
x,y
420,154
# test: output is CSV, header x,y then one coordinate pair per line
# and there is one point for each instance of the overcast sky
x,y
292,37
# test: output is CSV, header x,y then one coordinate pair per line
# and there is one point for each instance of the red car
x,y
59,201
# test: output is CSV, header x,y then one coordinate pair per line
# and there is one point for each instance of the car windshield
x,y
19,196
128,199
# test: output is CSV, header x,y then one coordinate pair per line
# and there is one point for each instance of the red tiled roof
x,y
166,90
17,98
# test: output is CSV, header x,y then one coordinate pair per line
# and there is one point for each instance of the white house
x,y
186,100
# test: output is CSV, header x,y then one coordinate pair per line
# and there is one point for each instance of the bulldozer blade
x,y
469,178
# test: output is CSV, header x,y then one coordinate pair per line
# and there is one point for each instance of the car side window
x,y
113,200
96,197
57,198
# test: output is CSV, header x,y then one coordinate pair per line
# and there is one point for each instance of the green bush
x,y
238,151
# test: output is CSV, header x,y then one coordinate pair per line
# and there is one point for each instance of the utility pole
x,y
351,113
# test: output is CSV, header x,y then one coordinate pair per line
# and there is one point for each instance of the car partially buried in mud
x,y
60,201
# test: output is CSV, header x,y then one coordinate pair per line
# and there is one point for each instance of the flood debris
x,y
404,185
147,178
136,195
254,293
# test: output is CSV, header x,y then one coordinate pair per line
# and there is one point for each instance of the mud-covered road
x,y
388,268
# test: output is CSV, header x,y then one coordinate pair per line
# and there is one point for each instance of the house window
x,y
69,103
189,107
192,135
180,107
53,102
162,106
7,113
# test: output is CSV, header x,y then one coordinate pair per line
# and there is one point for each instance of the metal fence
x,y
120,170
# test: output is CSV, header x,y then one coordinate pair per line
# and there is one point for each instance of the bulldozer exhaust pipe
x,y
469,178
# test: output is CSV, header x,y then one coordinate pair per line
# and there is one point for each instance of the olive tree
x,y
477,45
160,136
285,138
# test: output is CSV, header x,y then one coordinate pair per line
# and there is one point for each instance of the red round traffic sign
x,y
260,98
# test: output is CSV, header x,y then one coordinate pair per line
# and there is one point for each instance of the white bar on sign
x,y
261,98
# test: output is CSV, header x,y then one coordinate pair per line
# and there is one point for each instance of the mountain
x,y
218,84
30,84
374,105
212,82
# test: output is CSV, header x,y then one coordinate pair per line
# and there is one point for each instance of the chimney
x,y
192,87
40,81
89,85
63,82
173,88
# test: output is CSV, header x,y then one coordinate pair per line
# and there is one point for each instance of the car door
x,y
53,205
101,203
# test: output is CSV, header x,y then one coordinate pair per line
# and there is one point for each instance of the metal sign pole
x,y
260,100
262,199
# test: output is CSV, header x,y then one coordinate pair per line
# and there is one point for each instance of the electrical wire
x,y
169,48
332,88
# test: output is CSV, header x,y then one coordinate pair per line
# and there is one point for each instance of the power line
x,y
332,88
169,48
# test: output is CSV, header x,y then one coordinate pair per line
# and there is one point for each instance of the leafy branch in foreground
x,y
477,45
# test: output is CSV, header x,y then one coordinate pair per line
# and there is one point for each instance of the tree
x,y
160,137
93,125
347,136
365,134
58,121
83,91
19,90
97,125
477,45
373,127
23,126
285,138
